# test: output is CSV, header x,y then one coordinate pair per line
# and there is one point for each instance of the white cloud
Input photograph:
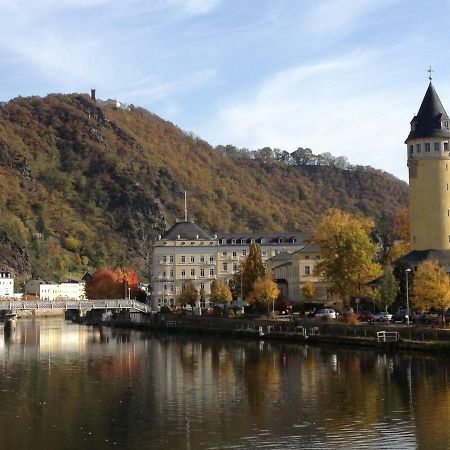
x,y
332,16
328,107
196,7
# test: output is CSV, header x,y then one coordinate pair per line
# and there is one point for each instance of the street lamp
x,y
407,296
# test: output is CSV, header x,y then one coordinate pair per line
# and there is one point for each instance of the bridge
x,y
80,305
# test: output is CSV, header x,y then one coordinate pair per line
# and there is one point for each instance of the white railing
x,y
387,336
23,305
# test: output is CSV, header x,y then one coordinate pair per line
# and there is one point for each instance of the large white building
x,y
70,290
6,284
188,252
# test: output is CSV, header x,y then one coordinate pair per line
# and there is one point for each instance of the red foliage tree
x,y
107,283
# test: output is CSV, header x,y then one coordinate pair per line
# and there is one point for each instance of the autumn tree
x,y
188,295
347,253
220,292
387,292
107,283
252,269
393,234
264,291
431,288
308,291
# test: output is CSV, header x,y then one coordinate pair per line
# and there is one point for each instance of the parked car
x,y
326,312
400,316
382,316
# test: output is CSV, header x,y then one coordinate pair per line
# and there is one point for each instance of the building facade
x,y
293,270
186,252
56,291
6,284
429,175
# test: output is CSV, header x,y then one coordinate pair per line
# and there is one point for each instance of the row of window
x,y
427,147
170,288
201,259
279,240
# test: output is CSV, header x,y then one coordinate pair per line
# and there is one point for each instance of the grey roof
x,y
309,248
285,264
417,256
282,256
188,231
272,238
427,122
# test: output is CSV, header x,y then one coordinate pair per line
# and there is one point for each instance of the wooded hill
x,y
84,185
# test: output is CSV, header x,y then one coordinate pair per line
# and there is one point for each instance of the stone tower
x,y
429,176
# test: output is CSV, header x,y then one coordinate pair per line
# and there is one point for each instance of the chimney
x,y
93,94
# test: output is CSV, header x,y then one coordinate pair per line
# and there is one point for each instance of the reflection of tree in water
x,y
429,396
188,355
261,374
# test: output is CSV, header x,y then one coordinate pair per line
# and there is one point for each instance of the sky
x,y
338,76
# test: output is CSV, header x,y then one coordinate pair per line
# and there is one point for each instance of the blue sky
x,y
344,76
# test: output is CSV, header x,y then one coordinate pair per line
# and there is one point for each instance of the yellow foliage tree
x,y
431,288
220,293
347,252
189,295
265,290
308,290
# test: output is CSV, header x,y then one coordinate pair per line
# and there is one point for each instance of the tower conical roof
x,y
428,121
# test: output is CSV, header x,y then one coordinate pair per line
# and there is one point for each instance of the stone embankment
x,y
395,336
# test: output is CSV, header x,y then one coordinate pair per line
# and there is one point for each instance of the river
x,y
66,386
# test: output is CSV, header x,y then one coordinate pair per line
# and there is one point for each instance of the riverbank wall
x,y
397,336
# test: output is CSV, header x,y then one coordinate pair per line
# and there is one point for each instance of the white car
x,y
326,312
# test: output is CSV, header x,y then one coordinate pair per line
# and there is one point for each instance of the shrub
x,y
165,310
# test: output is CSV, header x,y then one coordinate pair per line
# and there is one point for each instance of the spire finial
x,y
430,74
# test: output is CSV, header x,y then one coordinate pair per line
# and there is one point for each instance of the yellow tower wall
x,y
429,200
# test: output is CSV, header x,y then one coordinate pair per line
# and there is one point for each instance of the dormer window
x,y
242,241
444,124
262,240
280,240
233,241
294,240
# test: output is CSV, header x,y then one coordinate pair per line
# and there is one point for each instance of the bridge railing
x,y
22,305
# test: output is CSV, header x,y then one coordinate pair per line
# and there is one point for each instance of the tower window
x,y
411,149
436,146
446,146
427,147
419,148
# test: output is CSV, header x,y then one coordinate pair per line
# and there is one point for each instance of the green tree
x,y
189,295
387,292
347,253
264,291
431,288
253,268
220,292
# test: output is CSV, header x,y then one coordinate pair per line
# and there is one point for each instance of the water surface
x,y
65,386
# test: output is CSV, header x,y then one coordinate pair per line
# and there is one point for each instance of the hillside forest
x,y
84,186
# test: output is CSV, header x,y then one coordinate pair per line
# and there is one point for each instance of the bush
x,y
349,318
